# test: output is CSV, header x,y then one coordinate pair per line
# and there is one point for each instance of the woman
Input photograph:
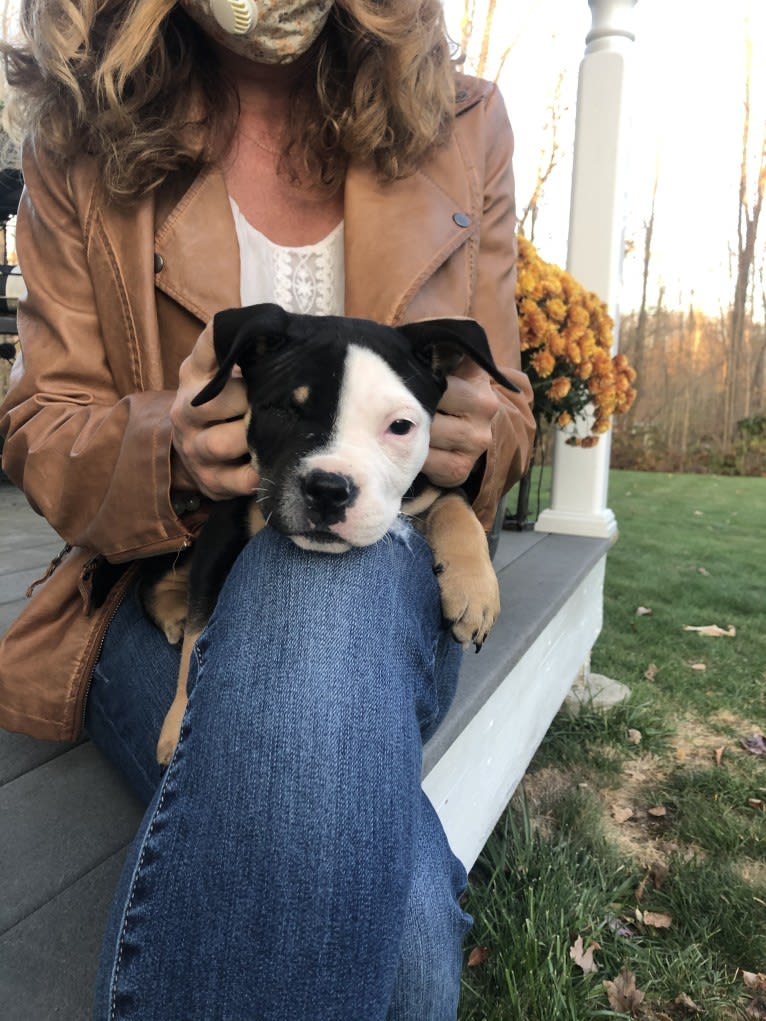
x,y
181,158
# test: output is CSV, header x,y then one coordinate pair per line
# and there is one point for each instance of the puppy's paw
x,y
470,599
163,597
174,628
170,733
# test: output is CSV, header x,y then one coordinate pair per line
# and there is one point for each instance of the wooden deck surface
x,y
66,818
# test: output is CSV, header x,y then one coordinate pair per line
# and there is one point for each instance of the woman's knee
x,y
430,965
428,980
358,630
363,586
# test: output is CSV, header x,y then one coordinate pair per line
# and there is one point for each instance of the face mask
x,y
267,31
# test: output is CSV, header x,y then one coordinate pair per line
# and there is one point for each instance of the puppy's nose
x,y
327,495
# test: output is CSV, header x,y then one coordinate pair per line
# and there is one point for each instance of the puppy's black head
x,y
259,339
340,412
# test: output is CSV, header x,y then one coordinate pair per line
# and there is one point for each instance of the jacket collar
x,y
196,249
397,235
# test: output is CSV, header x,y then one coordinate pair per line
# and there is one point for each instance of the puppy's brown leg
x,y
171,727
469,590
164,598
230,524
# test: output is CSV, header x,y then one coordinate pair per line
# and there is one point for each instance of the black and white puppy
x,y
338,431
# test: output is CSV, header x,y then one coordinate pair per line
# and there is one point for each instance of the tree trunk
x,y
481,67
747,231
639,347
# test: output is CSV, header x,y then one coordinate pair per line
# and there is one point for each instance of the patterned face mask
x,y
267,31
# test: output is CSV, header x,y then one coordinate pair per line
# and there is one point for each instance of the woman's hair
x,y
136,84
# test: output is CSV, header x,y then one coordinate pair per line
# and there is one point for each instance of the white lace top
x,y
308,279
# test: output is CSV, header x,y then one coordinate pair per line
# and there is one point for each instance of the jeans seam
x,y
128,906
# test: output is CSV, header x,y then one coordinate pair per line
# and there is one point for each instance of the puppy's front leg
x,y
164,592
226,531
171,727
469,591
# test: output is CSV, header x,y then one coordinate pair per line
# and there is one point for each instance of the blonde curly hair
x,y
113,78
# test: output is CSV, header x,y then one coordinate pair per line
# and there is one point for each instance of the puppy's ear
x,y
239,336
441,343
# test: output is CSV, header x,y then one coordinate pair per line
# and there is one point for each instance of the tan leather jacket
x,y
117,298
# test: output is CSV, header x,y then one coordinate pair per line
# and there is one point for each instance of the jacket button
x,y
462,219
159,262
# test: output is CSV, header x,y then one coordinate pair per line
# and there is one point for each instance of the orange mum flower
x,y
567,330
543,363
559,388
556,309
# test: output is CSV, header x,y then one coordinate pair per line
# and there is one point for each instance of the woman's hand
x,y
210,442
462,427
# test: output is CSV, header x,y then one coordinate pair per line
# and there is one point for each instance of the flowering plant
x,y
566,340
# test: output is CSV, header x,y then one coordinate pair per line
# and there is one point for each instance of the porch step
x,y
67,818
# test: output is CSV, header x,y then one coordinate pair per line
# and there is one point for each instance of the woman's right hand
x,y
210,442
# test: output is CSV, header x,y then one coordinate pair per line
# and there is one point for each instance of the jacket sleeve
x,y
495,308
92,455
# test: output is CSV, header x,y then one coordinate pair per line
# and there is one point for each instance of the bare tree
x,y
481,67
550,155
466,25
9,13
639,338
748,215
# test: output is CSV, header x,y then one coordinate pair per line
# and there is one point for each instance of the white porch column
x,y
580,477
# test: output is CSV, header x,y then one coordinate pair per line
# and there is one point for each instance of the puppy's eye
x,y
401,426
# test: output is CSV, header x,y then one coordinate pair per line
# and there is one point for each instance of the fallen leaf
x,y
584,958
698,514
703,571
756,744
657,920
688,1004
718,753
623,995
641,888
651,671
478,956
644,611
621,815
634,736
618,927
713,630
658,812
697,666
754,980
756,803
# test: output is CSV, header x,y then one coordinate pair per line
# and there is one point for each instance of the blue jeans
x,y
289,866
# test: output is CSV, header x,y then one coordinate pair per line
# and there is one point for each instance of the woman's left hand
x,y
462,427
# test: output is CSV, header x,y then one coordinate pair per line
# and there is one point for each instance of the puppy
x,y
338,431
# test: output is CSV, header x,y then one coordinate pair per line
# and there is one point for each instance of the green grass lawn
x,y
643,831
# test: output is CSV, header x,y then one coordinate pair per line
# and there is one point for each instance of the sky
x,y
686,117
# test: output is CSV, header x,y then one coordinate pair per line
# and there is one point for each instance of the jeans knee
x,y
428,980
386,581
357,633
